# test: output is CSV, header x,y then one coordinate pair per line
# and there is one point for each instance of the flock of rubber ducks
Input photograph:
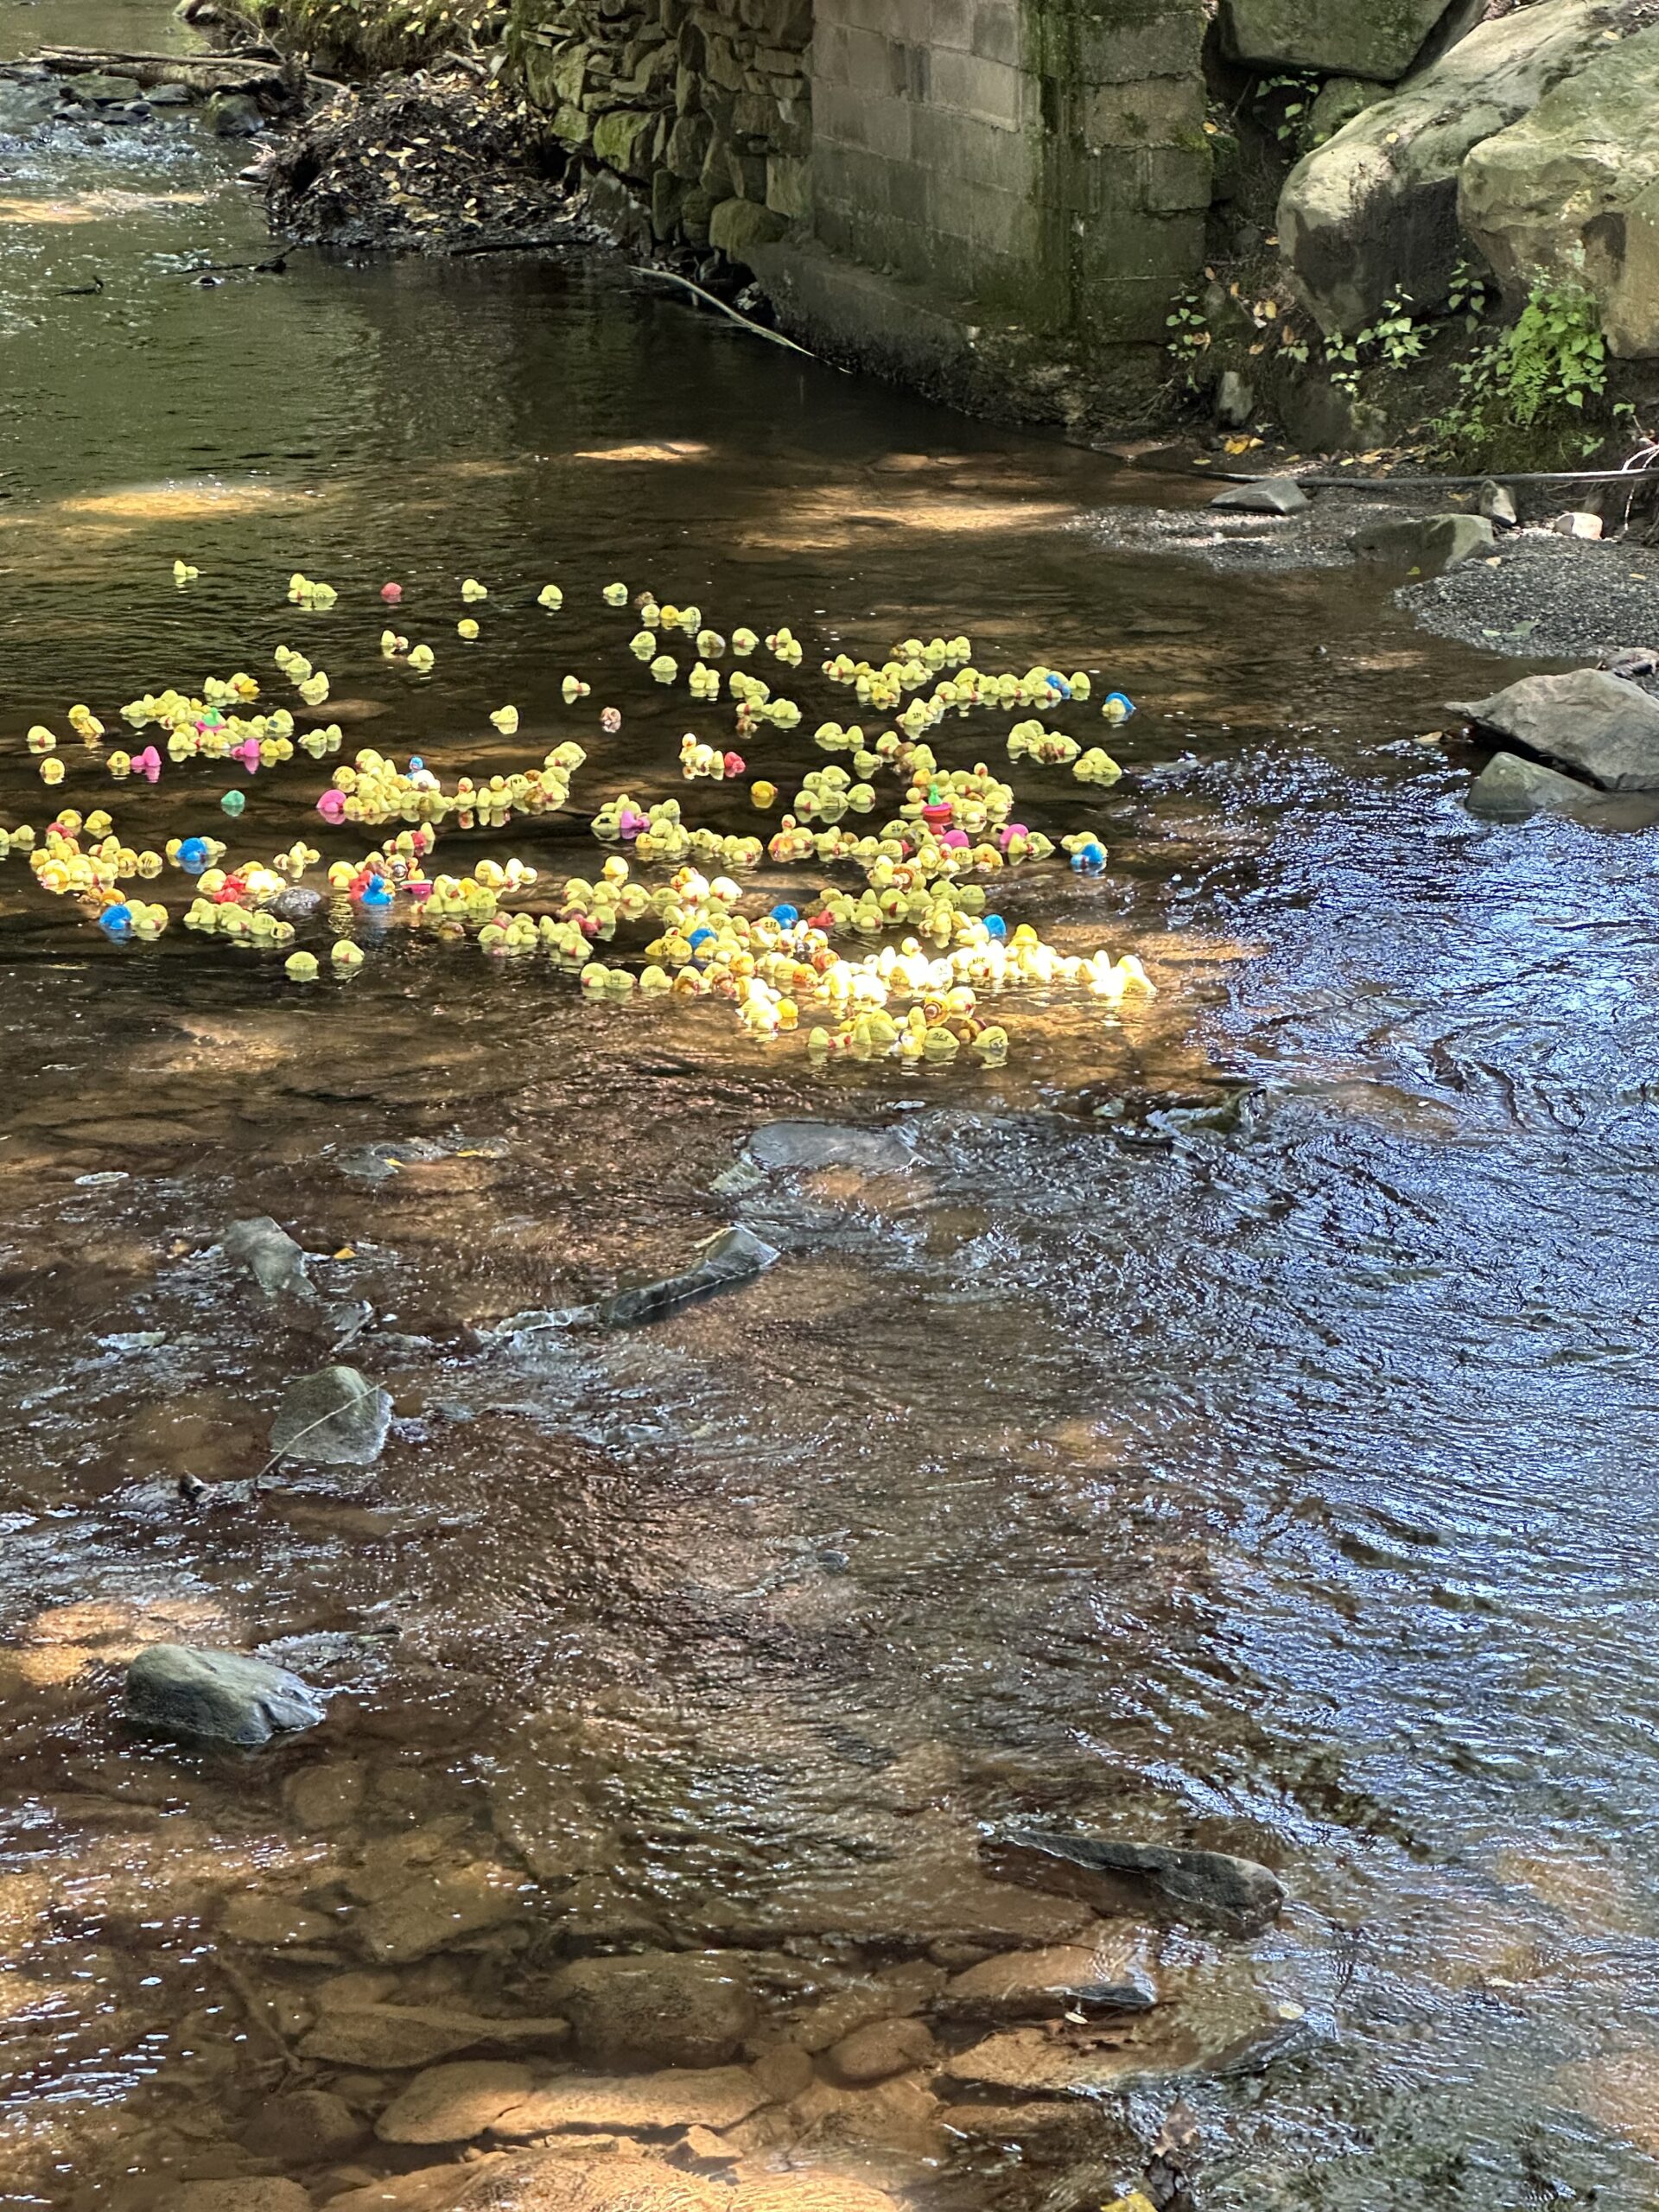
x,y
901,968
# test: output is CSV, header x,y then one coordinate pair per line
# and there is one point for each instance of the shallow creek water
x,y
1286,1490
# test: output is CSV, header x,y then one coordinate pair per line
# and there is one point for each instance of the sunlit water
x,y
1287,1489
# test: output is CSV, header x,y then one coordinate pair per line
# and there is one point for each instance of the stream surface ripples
x,y
1236,1425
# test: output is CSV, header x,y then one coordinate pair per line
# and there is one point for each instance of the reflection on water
x,y
1280,1485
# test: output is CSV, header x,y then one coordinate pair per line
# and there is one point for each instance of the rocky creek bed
x,y
1224,1430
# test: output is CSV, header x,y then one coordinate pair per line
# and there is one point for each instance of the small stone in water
x,y
335,1418
182,1690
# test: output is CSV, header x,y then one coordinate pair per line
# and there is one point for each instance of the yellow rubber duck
x,y
472,589
467,628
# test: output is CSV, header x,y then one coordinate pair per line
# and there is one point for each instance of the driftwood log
x,y
258,70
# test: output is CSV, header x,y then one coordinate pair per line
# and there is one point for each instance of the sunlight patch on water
x,y
671,449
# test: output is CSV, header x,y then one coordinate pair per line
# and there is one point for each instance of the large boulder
x,y
1553,195
1337,38
1603,726
1374,209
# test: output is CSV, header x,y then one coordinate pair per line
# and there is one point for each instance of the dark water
x,y
1284,1489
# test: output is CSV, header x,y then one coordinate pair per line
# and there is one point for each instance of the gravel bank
x,y
1539,597
1547,598
1258,544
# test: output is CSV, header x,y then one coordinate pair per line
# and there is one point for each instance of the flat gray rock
x,y
1429,543
1604,725
1510,789
181,1690
335,1418
96,89
1268,495
828,1144
269,1254
1200,1889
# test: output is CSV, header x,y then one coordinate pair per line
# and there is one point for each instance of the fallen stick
x,y
747,322
205,72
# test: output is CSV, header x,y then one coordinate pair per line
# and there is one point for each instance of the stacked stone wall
x,y
702,113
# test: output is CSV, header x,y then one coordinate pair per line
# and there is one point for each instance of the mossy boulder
x,y
1375,210
1554,194
1378,39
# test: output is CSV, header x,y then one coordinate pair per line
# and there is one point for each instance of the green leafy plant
x,y
1469,294
1285,106
1527,392
1393,341
1190,334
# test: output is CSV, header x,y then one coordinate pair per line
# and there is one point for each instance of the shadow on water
x,y
1282,1485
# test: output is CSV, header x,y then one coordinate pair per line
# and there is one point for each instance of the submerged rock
x,y
410,1910
734,1255
1604,725
265,2193
377,2035
1204,1889
554,2181
454,2104
269,1254
730,1256
879,2052
26,103
828,1144
665,2009
1093,1979
714,2096
183,1691
306,2128
335,1418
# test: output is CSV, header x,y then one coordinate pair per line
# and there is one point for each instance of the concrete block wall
x,y
1047,157
1130,172
1041,161
926,152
